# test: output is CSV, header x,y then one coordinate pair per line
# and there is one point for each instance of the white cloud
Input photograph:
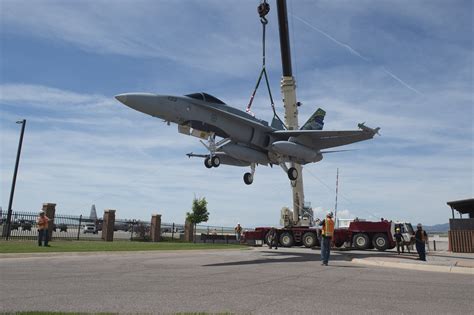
x,y
143,30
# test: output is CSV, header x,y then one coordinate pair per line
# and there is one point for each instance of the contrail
x,y
401,81
351,50
356,53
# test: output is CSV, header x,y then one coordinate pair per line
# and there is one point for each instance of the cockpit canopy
x,y
205,97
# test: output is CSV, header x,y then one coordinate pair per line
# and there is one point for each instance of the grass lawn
x,y
101,246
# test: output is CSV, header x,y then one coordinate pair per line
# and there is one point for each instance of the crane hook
x,y
263,10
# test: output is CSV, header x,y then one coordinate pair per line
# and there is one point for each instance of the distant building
x,y
461,230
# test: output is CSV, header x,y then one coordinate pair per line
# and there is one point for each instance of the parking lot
x,y
251,281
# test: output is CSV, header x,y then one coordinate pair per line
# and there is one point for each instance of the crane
x,y
288,90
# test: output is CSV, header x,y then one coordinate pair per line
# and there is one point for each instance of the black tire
x,y
380,241
286,239
339,244
292,173
215,161
309,239
207,163
266,239
248,178
361,241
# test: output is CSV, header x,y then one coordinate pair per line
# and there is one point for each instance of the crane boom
x,y
288,89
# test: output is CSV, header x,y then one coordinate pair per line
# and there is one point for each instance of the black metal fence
x,y
78,227
23,226
172,231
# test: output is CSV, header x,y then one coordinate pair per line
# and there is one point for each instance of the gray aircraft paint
x,y
250,141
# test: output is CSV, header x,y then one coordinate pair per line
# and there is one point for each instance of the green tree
x,y
199,212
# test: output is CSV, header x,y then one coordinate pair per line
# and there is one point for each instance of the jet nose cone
x,y
122,98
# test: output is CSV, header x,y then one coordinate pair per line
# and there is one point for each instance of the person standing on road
x,y
238,232
399,239
327,234
272,238
42,222
421,238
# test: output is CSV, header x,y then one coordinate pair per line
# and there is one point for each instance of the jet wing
x,y
319,139
235,114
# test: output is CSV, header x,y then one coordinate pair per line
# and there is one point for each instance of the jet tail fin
x,y
316,121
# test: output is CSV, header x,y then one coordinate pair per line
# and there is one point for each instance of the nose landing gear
x,y
210,162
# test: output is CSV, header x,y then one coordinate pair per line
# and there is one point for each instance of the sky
x,y
404,66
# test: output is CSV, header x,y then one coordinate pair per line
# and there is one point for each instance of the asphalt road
x,y
256,281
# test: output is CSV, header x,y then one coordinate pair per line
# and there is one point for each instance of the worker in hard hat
x,y
327,233
238,232
421,238
272,238
399,240
42,223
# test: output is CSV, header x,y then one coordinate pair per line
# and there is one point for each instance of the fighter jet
x,y
235,137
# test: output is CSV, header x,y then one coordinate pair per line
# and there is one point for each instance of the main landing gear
x,y
291,172
248,177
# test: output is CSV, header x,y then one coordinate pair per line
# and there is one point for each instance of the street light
x,y
12,192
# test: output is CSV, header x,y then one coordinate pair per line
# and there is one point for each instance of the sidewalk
x,y
439,261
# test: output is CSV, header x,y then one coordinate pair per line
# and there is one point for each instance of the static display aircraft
x,y
246,140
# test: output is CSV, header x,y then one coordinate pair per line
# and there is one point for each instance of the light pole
x,y
12,192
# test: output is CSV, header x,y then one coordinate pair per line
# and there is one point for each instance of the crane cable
x,y
263,9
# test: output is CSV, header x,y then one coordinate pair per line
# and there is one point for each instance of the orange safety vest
x,y
42,223
328,227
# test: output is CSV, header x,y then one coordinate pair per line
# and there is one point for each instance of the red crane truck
x,y
359,235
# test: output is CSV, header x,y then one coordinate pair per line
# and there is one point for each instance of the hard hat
x,y
397,229
41,212
418,225
330,214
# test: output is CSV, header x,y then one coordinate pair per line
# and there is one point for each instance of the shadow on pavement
x,y
275,256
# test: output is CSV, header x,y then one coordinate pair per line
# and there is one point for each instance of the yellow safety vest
x,y
328,227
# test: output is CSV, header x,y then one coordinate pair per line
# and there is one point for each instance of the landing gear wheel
x,y
208,163
309,239
286,239
292,173
215,161
248,178
361,241
380,241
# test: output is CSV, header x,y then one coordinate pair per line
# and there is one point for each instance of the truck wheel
x,y
286,239
339,244
309,239
267,239
380,242
361,241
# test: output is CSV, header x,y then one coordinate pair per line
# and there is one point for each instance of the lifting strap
x,y
263,10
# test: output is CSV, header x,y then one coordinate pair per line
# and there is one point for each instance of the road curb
x,y
420,267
